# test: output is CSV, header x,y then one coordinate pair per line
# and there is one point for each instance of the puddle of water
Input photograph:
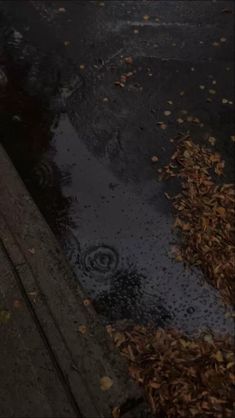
x,y
122,246
116,239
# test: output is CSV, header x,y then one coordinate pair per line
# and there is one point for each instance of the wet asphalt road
x,y
83,144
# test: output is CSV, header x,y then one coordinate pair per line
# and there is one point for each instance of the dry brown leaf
x,y
218,356
31,251
116,412
128,60
82,329
86,302
106,383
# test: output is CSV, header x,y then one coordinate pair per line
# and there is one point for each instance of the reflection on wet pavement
x,y
85,150
127,270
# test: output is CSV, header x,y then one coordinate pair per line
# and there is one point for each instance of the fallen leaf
x,y
146,17
105,383
82,329
212,140
128,60
223,39
119,83
119,338
154,159
180,121
81,66
61,10
167,112
66,43
170,102
182,93
17,304
232,137
216,44
218,356
31,251
86,302
211,91
116,412
202,87
221,211
224,101
4,316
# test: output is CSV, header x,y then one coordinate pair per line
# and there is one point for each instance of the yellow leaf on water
x,y
105,383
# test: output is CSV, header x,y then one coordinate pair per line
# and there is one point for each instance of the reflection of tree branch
x,y
27,137
125,301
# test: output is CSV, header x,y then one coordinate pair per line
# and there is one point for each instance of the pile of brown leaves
x,y
205,214
181,377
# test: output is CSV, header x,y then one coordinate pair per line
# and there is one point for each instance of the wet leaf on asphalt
x,y
212,140
155,158
128,60
181,376
31,251
167,112
116,412
204,213
105,383
86,302
180,120
218,356
82,329
17,304
4,316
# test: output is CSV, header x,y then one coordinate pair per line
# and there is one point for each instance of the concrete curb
x,y
82,359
